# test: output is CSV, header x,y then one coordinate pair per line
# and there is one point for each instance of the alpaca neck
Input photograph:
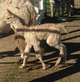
x,y
17,24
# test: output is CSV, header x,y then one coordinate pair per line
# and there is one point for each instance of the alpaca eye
x,y
8,18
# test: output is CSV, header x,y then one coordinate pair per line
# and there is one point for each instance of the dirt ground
x,y
9,55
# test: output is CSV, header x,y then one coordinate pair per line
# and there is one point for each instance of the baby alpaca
x,y
49,32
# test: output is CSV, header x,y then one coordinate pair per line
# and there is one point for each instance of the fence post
x,y
40,5
63,7
45,8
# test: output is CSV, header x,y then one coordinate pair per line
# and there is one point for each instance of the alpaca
x,y
34,34
20,40
24,9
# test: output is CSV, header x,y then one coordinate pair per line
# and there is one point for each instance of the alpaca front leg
x,y
20,61
24,61
26,54
22,55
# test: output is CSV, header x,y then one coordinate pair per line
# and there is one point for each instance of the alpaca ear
x,y
9,13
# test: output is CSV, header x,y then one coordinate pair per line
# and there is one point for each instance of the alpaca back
x,y
40,32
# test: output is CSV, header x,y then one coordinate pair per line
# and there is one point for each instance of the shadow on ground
x,y
8,53
71,48
73,68
6,34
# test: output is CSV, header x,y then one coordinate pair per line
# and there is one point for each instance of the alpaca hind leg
x,y
54,41
63,54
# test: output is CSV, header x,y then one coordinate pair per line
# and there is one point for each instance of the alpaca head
x,y
9,16
12,19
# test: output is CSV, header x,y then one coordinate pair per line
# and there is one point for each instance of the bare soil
x,y
33,72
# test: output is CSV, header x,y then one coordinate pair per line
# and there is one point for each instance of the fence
x,y
38,5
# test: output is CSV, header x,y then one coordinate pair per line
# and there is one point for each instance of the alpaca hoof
x,y
55,64
21,67
58,61
20,61
44,68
